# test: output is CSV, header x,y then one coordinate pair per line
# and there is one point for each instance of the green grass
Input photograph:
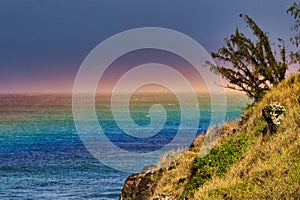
x,y
268,167
249,165
217,162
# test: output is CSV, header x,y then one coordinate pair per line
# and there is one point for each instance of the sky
x,y
44,42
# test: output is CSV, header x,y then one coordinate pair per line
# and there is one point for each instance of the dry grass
x,y
271,168
177,173
268,167
167,159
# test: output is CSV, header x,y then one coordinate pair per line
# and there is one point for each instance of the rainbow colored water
x,y
42,156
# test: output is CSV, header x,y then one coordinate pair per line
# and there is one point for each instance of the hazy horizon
x,y
44,44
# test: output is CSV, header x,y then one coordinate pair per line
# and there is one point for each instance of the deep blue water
x,y
42,156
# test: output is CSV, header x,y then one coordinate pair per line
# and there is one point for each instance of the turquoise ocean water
x,y
42,156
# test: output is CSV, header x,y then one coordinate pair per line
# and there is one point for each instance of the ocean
x,y
43,157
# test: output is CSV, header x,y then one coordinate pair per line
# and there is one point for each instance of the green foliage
x,y
217,162
294,10
279,182
260,126
254,68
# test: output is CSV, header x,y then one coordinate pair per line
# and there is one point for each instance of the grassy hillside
x,y
263,167
246,163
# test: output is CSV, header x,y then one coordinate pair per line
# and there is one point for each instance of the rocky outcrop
x,y
143,186
140,186
273,114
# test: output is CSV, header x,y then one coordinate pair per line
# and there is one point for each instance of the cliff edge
x,y
256,157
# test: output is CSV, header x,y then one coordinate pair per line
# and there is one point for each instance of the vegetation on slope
x,y
246,163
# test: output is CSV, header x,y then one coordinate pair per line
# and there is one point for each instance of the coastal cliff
x,y
256,157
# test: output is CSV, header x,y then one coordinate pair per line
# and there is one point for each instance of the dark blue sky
x,y
43,42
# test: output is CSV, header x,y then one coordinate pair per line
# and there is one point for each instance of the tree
x,y
254,68
294,10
